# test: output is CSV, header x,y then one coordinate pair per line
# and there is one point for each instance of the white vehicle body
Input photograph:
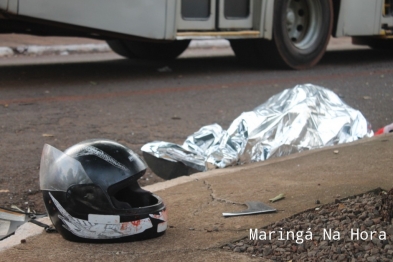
x,y
168,20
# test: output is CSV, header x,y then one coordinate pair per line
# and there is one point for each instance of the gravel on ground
x,y
353,229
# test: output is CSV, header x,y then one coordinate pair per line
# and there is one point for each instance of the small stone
x,y
363,215
278,224
300,249
368,222
376,241
368,247
388,247
358,247
232,246
23,241
267,251
250,249
371,259
237,249
389,230
376,220
323,243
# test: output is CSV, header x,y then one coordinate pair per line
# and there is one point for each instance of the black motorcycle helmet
x,y
91,193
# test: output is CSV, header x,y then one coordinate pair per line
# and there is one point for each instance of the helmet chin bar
x,y
103,226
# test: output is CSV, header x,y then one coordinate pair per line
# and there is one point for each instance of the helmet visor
x,y
59,171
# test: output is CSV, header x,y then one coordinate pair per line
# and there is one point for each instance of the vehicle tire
x,y
301,32
148,50
374,43
119,48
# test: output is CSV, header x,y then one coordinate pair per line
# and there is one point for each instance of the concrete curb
x,y
233,169
29,229
6,51
219,43
61,49
37,50
24,231
53,50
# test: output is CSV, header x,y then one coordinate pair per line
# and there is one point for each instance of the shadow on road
x,y
123,69
356,57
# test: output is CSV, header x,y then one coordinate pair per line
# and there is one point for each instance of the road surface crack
x,y
214,197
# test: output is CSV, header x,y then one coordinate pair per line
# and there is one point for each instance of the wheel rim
x,y
304,21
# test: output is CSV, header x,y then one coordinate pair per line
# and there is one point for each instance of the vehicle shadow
x,y
124,70
356,57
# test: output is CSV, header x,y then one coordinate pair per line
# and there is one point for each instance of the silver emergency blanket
x,y
298,119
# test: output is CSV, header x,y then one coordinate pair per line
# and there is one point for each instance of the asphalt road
x,y
62,100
